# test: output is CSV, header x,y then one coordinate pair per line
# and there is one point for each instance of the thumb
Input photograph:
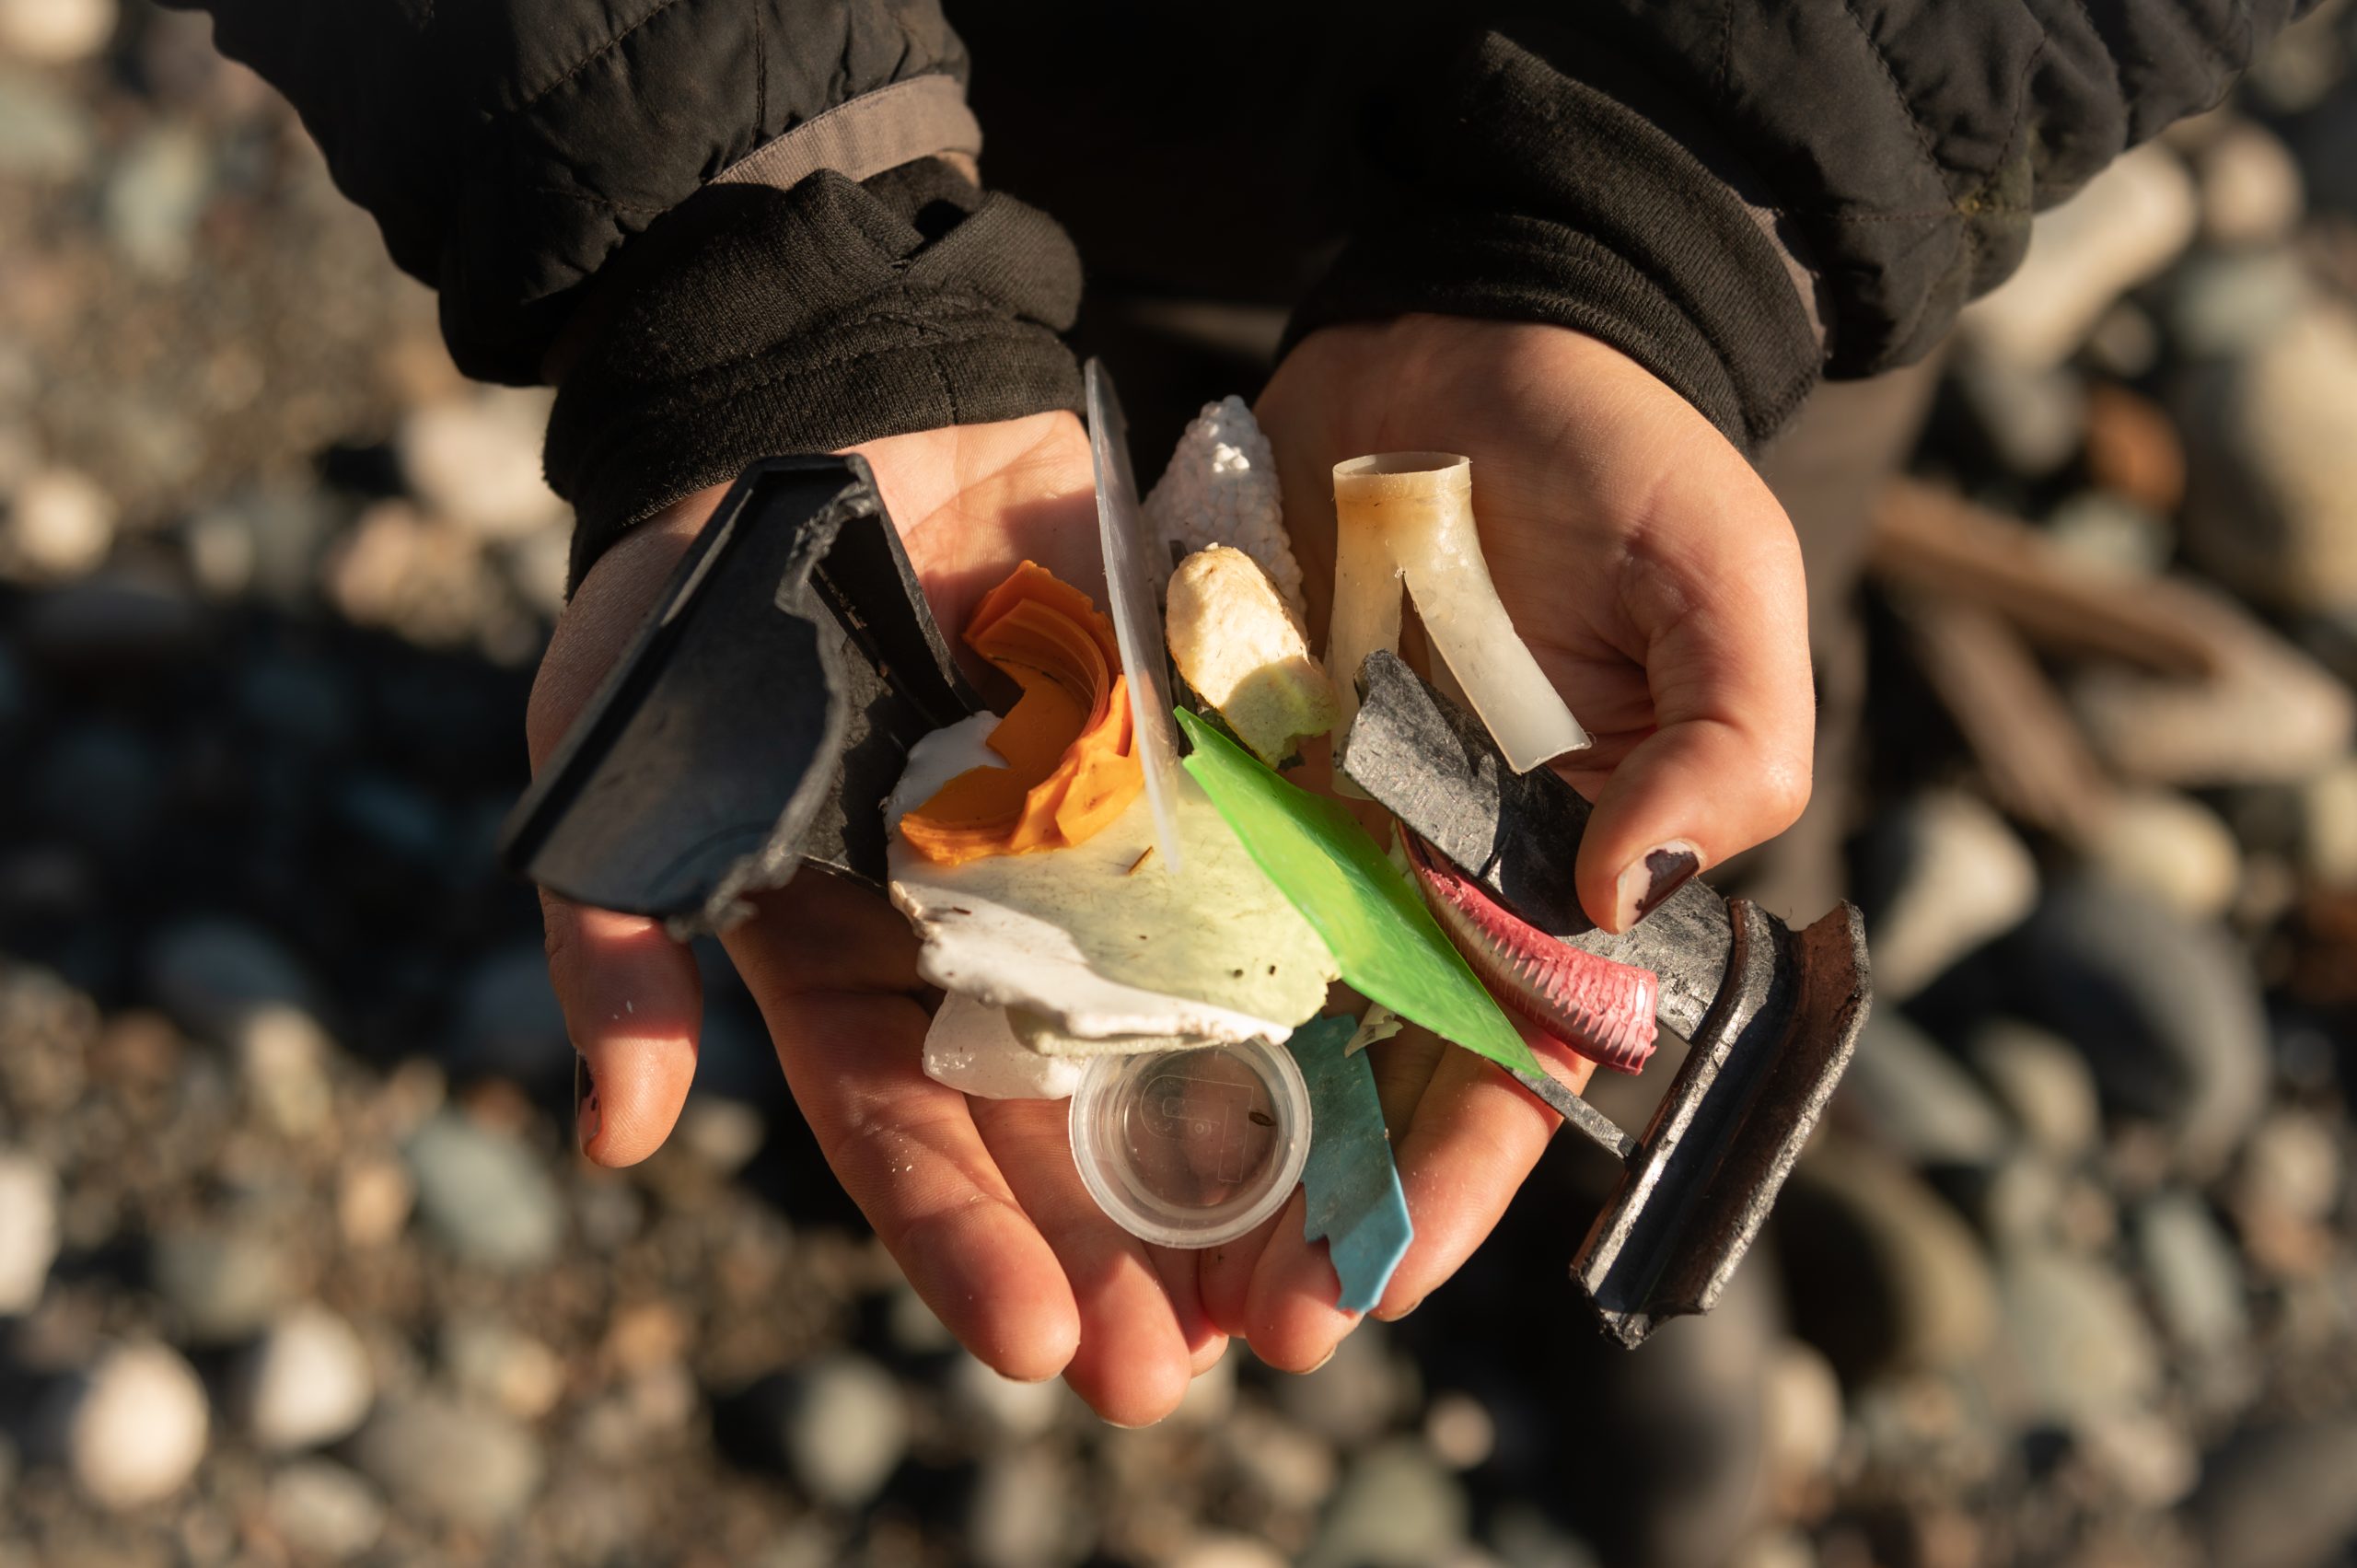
x,y
1728,763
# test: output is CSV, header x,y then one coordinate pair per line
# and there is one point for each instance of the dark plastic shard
x,y
1771,1015
757,718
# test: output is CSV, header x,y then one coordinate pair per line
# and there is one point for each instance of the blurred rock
x,y
55,33
2171,846
2272,509
420,577
111,622
27,1229
1912,1097
724,1134
1210,1398
265,542
2327,833
215,974
307,1381
914,1328
2126,342
154,196
509,1023
2076,1331
1942,874
2193,1272
222,1285
476,461
2166,1011
1025,1513
1229,1552
1458,1431
44,133
1396,1509
2224,307
2292,1170
2132,449
1353,1398
2251,189
1881,1272
468,1467
59,526
283,1057
841,1423
1000,1407
2148,1460
2034,417
1659,1491
485,1195
325,1510
2279,1497
1524,1536
1291,1468
374,1196
1802,1423
132,1428
494,1363
2128,224
99,784
2044,1081
2111,532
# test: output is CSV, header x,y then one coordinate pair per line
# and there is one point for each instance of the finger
x,y
1294,1323
1402,1066
634,1005
1476,1136
1182,1273
1224,1276
1728,763
1134,1362
905,1148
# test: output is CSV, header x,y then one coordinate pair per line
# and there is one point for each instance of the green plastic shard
x,y
1385,940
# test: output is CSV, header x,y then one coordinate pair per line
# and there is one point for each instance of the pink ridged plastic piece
x,y
1600,1009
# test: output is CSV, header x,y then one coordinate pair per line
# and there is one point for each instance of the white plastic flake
x,y
1221,488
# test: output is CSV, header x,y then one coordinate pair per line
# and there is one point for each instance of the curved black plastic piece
x,y
757,718
1771,1017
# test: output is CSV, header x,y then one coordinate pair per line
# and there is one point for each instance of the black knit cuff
x,y
1521,192
761,321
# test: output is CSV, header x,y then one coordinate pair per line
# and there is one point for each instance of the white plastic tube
x,y
1409,515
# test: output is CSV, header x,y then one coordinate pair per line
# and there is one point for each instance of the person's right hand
x,y
977,1200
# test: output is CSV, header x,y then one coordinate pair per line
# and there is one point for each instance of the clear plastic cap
x,y
1191,1147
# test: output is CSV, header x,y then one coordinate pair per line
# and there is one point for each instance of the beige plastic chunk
x,y
1410,515
1245,652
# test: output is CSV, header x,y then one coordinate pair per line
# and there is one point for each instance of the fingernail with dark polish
x,y
1647,882
586,1116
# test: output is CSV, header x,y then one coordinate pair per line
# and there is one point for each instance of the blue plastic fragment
x,y
1349,1184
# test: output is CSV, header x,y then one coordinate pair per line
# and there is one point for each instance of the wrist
x,y
754,321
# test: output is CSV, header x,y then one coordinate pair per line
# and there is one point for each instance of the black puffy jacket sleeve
x,y
511,149
1744,193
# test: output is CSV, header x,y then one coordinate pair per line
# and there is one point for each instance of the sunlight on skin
x,y
1640,556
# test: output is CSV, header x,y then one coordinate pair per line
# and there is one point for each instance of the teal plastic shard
x,y
1383,938
1351,1185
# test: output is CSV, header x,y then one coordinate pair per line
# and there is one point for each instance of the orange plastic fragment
x,y
1069,747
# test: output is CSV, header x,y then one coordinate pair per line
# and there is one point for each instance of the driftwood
x,y
2170,683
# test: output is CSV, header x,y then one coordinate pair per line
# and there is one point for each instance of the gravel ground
x,y
298,1266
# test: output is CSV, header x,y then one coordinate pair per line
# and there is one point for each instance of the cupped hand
x,y
977,1199
1659,584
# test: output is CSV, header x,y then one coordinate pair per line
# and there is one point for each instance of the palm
x,y
1642,559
